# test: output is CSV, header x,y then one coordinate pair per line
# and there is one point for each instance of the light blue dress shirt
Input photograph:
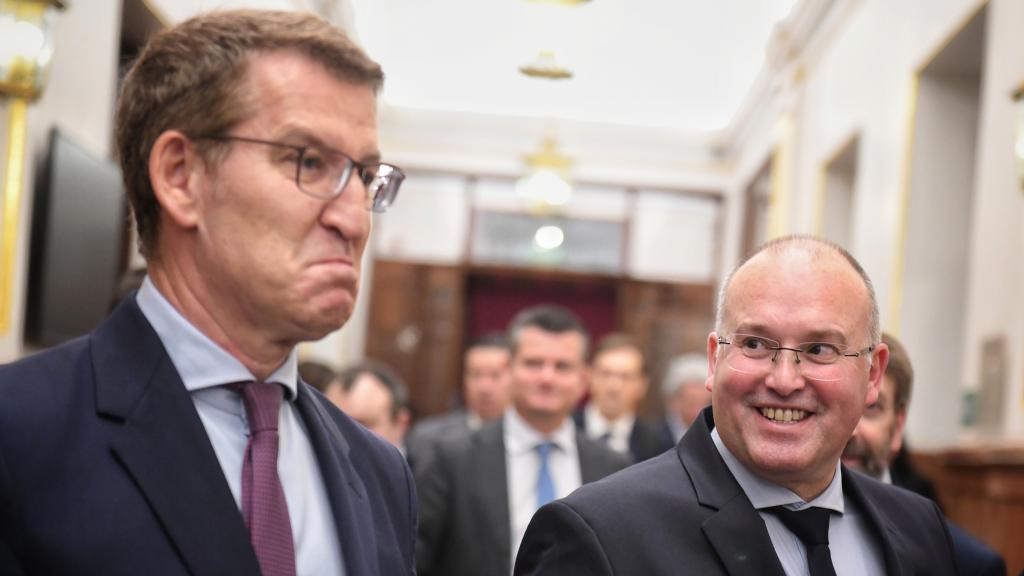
x,y
205,367
855,550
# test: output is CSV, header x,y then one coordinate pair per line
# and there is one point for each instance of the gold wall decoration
x,y
25,27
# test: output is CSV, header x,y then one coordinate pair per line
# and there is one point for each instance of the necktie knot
x,y
811,526
262,404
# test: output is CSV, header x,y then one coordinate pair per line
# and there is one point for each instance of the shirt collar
x,y
598,425
765,494
201,362
520,437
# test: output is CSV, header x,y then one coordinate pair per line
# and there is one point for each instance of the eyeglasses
x,y
757,356
324,173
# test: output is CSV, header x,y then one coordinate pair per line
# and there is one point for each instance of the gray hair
x,y
811,244
685,369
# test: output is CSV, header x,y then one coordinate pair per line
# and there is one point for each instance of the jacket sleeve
x,y
559,542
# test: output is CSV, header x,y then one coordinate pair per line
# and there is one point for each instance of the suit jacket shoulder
x,y
683,513
101,434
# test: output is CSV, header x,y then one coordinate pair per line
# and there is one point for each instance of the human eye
x,y
821,352
754,346
313,164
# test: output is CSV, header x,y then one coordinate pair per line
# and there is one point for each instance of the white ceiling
x,y
679,64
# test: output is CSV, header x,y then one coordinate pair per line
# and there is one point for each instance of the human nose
x,y
347,212
785,377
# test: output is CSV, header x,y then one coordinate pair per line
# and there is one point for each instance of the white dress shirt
x,y
522,463
618,431
855,551
204,368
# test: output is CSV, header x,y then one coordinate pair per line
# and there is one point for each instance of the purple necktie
x,y
263,505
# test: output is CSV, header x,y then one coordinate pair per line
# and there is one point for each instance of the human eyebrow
x,y
307,139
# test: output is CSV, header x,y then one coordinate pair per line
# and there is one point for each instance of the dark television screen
x,y
77,245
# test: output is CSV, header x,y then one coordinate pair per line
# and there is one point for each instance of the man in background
x,y
478,492
177,438
375,396
485,392
685,393
878,439
618,384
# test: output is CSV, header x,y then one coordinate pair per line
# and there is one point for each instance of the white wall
x,y
856,78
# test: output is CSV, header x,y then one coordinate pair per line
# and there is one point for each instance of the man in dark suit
x,y
177,438
478,492
618,384
877,442
795,358
485,392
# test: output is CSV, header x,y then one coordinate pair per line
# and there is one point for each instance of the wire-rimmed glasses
x,y
757,355
324,173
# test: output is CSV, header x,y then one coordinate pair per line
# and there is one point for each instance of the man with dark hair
x,y
877,441
375,396
478,492
756,485
618,384
177,438
485,393
316,374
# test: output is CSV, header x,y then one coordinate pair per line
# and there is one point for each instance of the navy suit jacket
x,y
684,513
106,468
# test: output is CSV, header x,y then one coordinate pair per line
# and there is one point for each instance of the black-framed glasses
x,y
757,355
324,173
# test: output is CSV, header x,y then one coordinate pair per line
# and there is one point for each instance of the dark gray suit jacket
x,y
684,513
106,468
465,525
422,440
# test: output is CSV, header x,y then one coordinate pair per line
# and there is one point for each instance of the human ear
x,y
876,371
173,163
712,364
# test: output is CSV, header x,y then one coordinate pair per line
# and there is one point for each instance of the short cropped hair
x,y
490,340
620,341
814,244
901,371
548,318
685,369
317,375
190,78
382,372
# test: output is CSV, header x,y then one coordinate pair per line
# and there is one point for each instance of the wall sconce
x,y
26,28
1018,147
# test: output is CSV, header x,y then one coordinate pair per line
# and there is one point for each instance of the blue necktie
x,y
545,484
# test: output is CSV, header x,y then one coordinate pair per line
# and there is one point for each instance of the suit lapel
x,y
160,441
894,547
490,491
735,530
345,489
592,466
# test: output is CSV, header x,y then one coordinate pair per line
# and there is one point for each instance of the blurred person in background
x,y
376,397
618,384
485,392
878,440
479,491
685,392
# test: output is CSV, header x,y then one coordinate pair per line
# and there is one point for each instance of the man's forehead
x,y
796,274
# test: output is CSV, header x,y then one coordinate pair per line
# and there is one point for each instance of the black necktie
x,y
811,526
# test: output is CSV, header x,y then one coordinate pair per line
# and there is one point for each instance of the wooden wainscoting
x,y
982,490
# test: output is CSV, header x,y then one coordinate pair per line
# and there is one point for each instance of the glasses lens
x,y
323,174
757,356
383,186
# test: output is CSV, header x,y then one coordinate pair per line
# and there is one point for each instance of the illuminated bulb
x,y
548,237
1019,148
